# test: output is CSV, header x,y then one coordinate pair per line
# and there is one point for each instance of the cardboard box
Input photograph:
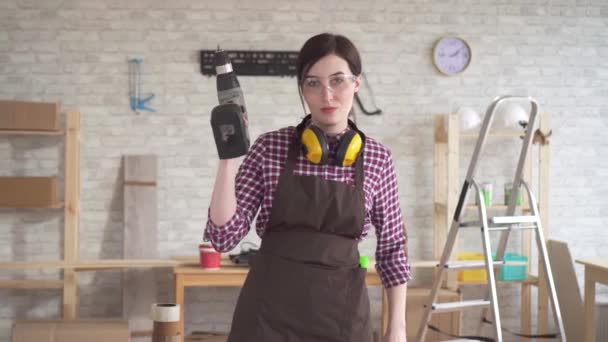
x,y
448,321
34,116
28,192
71,331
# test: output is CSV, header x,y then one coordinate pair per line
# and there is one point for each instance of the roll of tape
x,y
165,312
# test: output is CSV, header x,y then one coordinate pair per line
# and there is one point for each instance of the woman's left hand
x,y
395,336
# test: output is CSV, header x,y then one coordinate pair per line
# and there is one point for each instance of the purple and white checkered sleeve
x,y
249,194
391,257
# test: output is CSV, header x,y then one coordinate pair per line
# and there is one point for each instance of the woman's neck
x,y
332,130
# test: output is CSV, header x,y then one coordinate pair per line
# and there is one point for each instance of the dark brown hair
x,y
325,44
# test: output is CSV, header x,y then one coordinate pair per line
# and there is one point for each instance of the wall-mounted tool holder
x,y
137,100
254,63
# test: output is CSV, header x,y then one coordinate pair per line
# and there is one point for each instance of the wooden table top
x,y
595,262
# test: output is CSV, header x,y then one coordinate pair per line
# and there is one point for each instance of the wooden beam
x,y
31,284
72,213
543,208
440,186
453,190
22,132
526,250
440,129
90,265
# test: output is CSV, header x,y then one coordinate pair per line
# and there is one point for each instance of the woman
x,y
319,188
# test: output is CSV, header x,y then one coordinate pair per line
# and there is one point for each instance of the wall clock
x,y
451,55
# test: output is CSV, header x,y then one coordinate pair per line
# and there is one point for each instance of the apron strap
x,y
292,156
359,171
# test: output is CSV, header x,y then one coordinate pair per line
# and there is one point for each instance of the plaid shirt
x,y
257,179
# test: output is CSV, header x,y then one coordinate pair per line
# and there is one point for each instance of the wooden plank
x,y
440,129
92,265
72,213
22,115
493,135
453,187
125,264
31,284
566,286
140,238
526,250
526,314
29,192
23,132
440,187
543,208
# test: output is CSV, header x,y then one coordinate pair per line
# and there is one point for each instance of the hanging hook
x,y
135,98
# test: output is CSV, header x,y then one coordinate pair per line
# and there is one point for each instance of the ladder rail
x,y
518,177
544,255
490,275
440,271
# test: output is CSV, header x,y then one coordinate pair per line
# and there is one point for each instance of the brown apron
x,y
305,284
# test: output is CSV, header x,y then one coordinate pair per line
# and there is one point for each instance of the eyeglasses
x,y
335,83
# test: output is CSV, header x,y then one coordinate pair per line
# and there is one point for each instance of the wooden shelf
x,y
31,284
91,265
441,206
532,280
70,133
506,135
58,205
16,132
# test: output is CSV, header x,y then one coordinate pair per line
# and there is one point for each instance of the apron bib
x,y
305,284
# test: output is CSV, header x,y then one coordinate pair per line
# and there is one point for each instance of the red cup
x,y
210,258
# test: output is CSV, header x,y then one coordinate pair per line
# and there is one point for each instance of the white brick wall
x,y
76,52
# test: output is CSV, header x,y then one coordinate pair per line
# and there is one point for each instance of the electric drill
x,y
228,119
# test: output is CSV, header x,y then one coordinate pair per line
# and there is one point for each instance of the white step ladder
x,y
505,224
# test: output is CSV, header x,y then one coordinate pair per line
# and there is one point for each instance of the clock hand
x,y
455,53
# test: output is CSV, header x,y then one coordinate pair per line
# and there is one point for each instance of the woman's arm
x,y
236,198
223,198
396,329
391,249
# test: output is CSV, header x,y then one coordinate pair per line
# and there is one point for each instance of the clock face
x,y
452,55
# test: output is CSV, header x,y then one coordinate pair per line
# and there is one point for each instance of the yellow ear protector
x,y
316,148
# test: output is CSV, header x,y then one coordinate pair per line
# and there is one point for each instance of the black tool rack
x,y
254,63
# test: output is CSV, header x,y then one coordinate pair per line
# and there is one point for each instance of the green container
x,y
508,189
364,261
513,272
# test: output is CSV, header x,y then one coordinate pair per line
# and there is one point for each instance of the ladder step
x,y
468,224
513,227
513,219
469,265
457,306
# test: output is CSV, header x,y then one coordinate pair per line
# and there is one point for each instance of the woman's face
x,y
328,89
